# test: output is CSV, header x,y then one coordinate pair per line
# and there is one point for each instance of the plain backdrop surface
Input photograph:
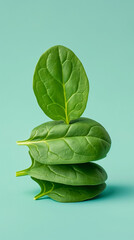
x,y
101,33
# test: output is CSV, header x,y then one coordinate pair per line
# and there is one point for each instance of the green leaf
x,y
73,174
60,84
66,193
81,141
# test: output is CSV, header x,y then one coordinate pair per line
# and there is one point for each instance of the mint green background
x,y
101,33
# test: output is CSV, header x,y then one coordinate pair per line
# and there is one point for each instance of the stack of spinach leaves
x,y
62,150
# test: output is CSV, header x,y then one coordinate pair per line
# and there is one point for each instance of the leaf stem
x,y
43,191
22,142
41,194
21,173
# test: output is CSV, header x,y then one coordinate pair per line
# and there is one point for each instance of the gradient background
x,y
101,33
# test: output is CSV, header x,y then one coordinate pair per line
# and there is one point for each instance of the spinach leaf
x,y
66,193
73,174
60,84
81,141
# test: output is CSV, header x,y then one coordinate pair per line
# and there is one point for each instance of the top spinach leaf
x,y
60,84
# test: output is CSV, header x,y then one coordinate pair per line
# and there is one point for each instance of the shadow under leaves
x,y
116,191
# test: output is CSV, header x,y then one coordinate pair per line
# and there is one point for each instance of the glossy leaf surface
x,y
60,84
81,141
66,193
73,174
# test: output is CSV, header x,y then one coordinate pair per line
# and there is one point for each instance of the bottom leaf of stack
x,y
68,193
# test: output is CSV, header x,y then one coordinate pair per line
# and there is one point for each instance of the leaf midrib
x,y
27,142
64,92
